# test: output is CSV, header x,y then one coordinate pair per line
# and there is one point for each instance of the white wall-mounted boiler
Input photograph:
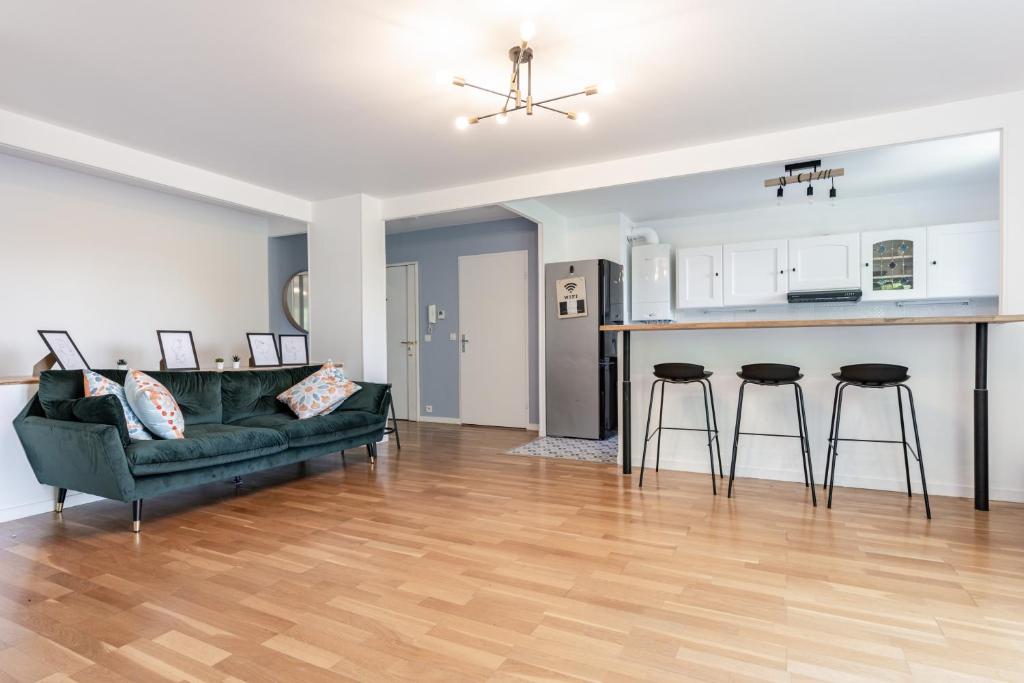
x,y
651,282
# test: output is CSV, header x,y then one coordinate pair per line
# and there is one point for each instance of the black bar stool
x,y
775,375
874,376
683,373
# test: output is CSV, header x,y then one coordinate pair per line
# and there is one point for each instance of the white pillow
x,y
154,405
320,393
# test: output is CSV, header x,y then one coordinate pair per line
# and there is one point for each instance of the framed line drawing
x,y
263,349
294,349
64,349
178,349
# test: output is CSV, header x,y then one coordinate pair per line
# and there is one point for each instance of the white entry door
x,y
403,352
494,339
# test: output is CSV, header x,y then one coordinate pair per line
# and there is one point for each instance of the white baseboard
x,y
37,508
441,420
533,427
877,483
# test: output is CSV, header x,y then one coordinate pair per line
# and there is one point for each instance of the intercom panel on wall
x,y
652,282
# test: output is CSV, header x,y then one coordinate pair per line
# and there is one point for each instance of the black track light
x,y
832,193
810,193
778,192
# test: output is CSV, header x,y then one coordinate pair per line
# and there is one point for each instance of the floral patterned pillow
x,y
320,393
98,385
154,405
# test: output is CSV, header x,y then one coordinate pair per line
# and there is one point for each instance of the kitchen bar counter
x,y
980,322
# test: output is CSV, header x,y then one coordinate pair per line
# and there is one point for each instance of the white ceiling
x,y
934,165
480,214
323,98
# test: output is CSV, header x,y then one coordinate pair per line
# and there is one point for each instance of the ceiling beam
x,y
33,139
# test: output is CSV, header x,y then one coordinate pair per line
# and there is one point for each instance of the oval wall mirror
x,y
296,300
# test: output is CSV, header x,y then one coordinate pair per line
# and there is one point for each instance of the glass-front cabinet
x,y
893,264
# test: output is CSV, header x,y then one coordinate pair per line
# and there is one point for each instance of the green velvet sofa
x,y
234,425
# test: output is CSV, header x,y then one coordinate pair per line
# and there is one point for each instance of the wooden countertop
x,y
822,322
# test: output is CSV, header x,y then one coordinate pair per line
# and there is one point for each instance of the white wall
x,y
112,263
348,286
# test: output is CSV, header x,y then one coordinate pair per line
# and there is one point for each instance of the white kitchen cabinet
x,y
651,282
893,264
699,277
963,260
826,262
756,273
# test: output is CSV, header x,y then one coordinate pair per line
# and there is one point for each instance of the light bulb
x,y
462,123
443,77
502,118
606,87
582,118
527,30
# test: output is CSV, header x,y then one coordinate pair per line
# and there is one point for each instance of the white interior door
x,y
493,340
403,351
699,277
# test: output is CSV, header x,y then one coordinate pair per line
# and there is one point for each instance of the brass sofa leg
x,y
137,515
58,507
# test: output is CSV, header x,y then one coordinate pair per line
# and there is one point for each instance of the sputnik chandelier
x,y
515,99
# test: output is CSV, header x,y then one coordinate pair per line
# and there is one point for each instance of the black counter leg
x,y
981,416
626,428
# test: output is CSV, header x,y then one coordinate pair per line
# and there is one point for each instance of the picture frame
x,y
64,350
263,350
294,349
177,350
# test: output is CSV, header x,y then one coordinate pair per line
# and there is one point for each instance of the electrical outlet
x,y
426,337
454,336
429,408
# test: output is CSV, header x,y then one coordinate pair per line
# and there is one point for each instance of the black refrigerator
x,y
581,368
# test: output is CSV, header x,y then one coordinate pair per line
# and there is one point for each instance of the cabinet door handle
x,y
935,263
782,272
794,270
867,265
716,274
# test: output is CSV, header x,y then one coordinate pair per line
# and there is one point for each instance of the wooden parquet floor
x,y
452,561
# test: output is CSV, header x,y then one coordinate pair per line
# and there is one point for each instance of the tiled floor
x,y
587,450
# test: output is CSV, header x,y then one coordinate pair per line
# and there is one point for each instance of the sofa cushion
x,y
102,410
253,393
198,393
341,424
98,385
204,445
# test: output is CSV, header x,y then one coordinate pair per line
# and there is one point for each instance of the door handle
x,y
464,342
408,343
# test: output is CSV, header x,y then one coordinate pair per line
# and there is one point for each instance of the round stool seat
x,y
680,372
769,373
872,373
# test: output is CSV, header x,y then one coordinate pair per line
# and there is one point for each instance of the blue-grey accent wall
x,y
285,256
437,252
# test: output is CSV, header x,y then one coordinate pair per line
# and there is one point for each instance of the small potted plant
x,y
236,362
219,362
122,364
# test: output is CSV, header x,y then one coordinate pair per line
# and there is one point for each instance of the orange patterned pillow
x,y
154,405
320,393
